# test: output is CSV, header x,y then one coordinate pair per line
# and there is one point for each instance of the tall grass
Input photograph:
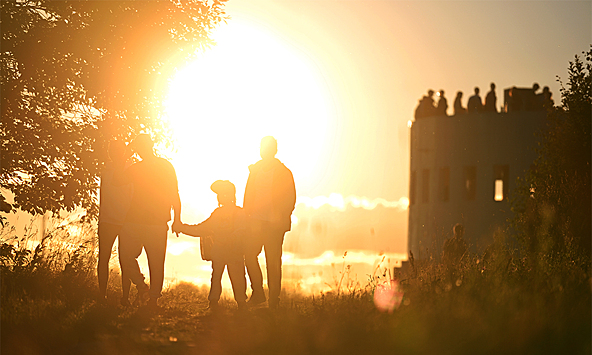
x,y
48,281
57,266
499,301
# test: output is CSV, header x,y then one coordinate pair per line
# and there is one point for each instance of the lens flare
x,y
388,296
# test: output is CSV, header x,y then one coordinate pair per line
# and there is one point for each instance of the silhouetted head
x,y
546,89
476,90
492,86
226,192
116,150
459,94
535,87
268,148
430,93
441,93
143,145
458,230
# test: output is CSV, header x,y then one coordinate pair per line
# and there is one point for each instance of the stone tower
x,y
462,170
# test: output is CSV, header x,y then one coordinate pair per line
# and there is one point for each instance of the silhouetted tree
x,y
553,200
76,73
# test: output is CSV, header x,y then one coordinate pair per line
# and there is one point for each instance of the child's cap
x,y
223,187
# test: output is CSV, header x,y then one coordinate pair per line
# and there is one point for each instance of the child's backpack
x,y
206,244
227,226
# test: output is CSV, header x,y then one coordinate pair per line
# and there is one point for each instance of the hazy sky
x,y
336,82
379,57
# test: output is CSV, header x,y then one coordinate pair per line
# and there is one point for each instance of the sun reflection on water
x,y
339,202
306,275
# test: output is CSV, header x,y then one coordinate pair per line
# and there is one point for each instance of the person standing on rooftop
x,y
458,107
490,100
475,104
442,104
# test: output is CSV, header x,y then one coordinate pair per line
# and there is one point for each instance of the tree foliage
x,y
74,74
553,201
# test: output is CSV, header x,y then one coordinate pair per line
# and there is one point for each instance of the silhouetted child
x,y
221,242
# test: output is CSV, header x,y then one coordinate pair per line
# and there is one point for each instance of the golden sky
x,y
369,62
336,83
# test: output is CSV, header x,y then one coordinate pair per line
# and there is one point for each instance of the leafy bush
x,y
553,202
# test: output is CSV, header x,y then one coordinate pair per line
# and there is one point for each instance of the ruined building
x,y
463,169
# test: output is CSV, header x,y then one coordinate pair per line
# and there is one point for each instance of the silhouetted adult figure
x,y
540,99
516,102
426,107
270,198
458,107
475,104
155,192
547,98
114,202
454,248
490,100
532,104
419,110
453,251
442,104
223,233
428,104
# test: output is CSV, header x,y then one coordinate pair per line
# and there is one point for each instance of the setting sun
x,y
249,85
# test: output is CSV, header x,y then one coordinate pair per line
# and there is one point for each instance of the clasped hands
x,y
177,227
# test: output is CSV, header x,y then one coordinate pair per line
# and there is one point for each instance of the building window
x,y
498,194
470,182
412,187
425,185
444,184
501,180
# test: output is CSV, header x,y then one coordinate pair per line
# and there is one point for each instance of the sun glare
x,y
251,84
339,202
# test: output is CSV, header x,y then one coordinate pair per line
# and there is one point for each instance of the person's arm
x,y
177,208
248,196
197,230
288,191
176,202
177,215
